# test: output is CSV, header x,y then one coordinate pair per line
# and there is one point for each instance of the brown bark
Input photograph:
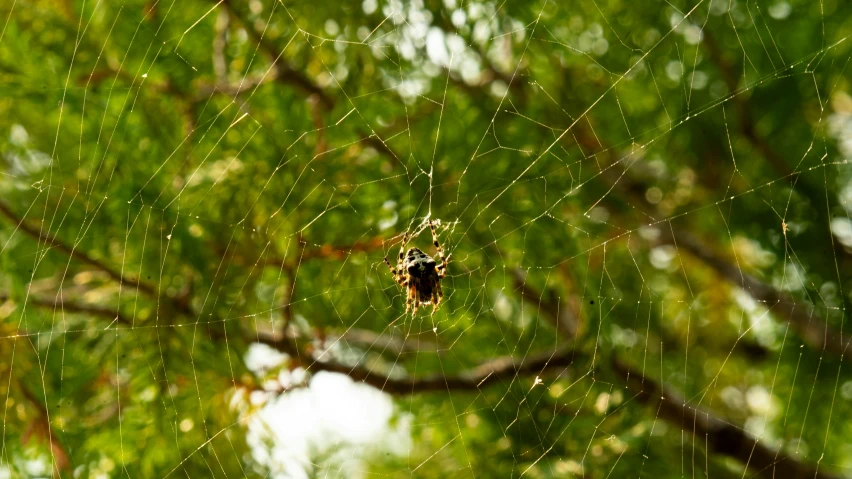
x,y
503,369
721,437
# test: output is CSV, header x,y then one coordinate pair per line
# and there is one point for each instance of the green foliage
x,y
179,181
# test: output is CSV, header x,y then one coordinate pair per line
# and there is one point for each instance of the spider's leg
x,y
437,296
398,275
399,272
392,269
415,300
435,240
402,249
442,268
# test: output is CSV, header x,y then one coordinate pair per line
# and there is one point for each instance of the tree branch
x,y
804,319
41,428
204,91
73,252
179,304
497,370
73,307
379,145
284,74
757,141
326,251
720,436
387,342
563,317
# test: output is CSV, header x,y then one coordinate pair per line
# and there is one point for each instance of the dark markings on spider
x,y
420,274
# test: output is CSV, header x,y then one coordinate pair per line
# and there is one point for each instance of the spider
x,y
418,272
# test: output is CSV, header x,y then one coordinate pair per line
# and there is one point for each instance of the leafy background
x,y
646,205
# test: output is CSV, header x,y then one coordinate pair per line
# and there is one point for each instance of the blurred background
x,y
647,206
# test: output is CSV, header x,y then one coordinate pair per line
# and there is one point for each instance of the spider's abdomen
x,y
419,264
425,290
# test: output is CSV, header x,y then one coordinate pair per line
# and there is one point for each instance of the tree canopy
x,y
646,207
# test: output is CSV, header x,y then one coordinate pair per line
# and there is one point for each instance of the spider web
x,y
647,211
